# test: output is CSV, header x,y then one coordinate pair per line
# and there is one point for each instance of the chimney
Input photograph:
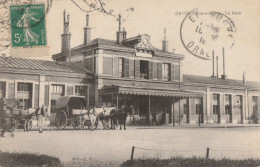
x,y
217,65
165,42
87,31
224,76
244,77
65,37
124,34
213,64
119,33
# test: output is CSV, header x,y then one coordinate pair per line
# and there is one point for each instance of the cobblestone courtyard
x,y
235,143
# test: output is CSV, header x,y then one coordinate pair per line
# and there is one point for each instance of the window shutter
x,y
116,66
177,72
46,95
154,70
173,72
107,65
137,69
131,68
69,90
126,67
211,104
159,71
36,97
150,70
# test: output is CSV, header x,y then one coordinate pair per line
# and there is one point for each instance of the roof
x,y
218,81
102,41
64,100
43,65
145,91
112,43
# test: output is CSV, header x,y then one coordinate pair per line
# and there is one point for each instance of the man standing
x,y
41,113
6,117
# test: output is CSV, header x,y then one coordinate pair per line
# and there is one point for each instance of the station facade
x,y
130,71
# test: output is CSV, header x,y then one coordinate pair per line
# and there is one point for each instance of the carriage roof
x,y
64,100
11,102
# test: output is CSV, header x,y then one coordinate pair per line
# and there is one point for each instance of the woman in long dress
x,y
25,23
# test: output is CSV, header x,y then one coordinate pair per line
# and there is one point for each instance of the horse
x,y
41,115
119,115
92,116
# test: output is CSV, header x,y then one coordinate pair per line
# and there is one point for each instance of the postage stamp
x,y
204,33
28,25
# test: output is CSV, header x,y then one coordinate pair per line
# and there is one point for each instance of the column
x,y
179,111
246,107
87,95
190,108
116,100
207,113
149,110
41,90
172,112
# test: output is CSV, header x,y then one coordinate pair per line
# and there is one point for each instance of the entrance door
x,y
200,112
143,107
2,89
186,111
216,106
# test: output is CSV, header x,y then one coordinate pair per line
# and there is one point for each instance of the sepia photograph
x,y
130,83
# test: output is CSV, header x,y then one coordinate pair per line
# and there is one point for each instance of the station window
x,y
59,89
53,106
166,71
121,67
144,69
227,104
80,90
23,86
216,104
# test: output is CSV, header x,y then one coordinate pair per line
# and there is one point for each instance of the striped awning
x,y
148,92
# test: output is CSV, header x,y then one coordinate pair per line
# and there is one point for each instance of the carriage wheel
x,y
13,125
30,125
74,123
96,124
61,120
106,124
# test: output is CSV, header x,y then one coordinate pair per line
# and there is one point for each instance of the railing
x,y
206,151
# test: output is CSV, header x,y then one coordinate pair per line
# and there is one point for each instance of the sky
x,y
151,17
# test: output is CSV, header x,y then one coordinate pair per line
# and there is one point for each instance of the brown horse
x,y
119,115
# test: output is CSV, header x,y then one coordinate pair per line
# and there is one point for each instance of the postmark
x,y
28,25
203,33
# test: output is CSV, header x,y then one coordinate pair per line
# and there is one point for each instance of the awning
x,y
145,91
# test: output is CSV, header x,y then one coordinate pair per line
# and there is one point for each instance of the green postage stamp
x,y
28,25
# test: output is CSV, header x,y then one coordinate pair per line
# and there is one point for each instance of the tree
x,y
99,6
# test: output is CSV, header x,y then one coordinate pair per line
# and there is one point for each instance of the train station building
x,y
129,71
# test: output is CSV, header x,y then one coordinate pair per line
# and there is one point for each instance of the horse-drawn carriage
x,y
72,110
21,117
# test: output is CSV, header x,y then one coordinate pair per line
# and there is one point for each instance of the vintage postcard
x,y
130,83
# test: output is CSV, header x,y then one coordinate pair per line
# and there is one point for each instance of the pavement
x,y
236,141
169,126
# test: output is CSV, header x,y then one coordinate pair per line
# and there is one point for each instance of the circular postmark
x,y
203,33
